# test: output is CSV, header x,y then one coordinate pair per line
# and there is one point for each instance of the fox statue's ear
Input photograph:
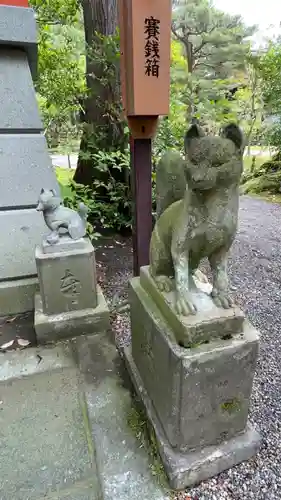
x,y
194,132
54,192
42,191
234,134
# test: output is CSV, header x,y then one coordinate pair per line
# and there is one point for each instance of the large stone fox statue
x,y
197,213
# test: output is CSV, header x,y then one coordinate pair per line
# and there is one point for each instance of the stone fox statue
x,y
61,219
197,210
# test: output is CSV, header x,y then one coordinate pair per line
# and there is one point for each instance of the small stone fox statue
x,y
60,219
197,213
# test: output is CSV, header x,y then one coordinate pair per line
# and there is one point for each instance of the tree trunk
x,y
102,127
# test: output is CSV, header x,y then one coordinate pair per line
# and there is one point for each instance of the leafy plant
x,y
82,194
105,214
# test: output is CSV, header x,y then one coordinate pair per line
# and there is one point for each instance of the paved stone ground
x,y
44,449
35,442
64,426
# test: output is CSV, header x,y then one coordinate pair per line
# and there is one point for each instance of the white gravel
x,y
255,274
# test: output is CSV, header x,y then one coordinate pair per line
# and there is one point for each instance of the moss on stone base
x,y
231,405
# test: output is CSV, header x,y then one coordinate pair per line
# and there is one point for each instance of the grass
x,y
64,176
144,433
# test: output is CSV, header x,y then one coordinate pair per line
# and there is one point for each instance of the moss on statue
x,y
197,210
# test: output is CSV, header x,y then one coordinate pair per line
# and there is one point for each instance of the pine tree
x,y
215,45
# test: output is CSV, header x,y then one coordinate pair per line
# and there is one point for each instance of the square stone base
x,y
201,394
71,324
190,468
67,275
210,322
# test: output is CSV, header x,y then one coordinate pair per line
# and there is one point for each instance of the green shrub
x,y
263,178
268,182
270,167
114,214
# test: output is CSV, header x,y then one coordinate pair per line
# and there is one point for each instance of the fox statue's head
x,y
48,200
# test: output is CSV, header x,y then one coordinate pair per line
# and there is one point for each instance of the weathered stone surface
x,y
59,219
67,279
18,105
17,296
21,231
51,328
19,364
191,468
44,429
64,244
197,214
68,432
25,167
18,29
24,162
200,395
209,323
124,466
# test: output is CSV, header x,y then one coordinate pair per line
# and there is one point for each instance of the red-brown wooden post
x,y
145,28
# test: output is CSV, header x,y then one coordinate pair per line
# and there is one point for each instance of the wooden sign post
x,y
145,33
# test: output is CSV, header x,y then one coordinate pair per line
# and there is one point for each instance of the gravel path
x,y
255,272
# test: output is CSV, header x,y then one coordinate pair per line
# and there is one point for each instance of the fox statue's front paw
x,y
164,283
221,298
185,305
53,238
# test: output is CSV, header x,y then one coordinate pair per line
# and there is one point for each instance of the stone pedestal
x,y
25,166
196,398
70,303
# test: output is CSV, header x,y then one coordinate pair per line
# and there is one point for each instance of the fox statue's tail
x,y
170,181
83,211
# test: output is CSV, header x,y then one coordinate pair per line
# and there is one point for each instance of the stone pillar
x,y
25,166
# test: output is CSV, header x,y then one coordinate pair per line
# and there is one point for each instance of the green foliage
x,y
214,45
55,11
269,183
265,177
269,67
105,215
172,128
82,194
104,130
61,67
270,72
60,84
145,435
104,126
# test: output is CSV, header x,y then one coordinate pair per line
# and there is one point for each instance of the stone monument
x,y
193,354
70,302
24,159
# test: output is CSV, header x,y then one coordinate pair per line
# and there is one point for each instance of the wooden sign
x,y
15,3
145,37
